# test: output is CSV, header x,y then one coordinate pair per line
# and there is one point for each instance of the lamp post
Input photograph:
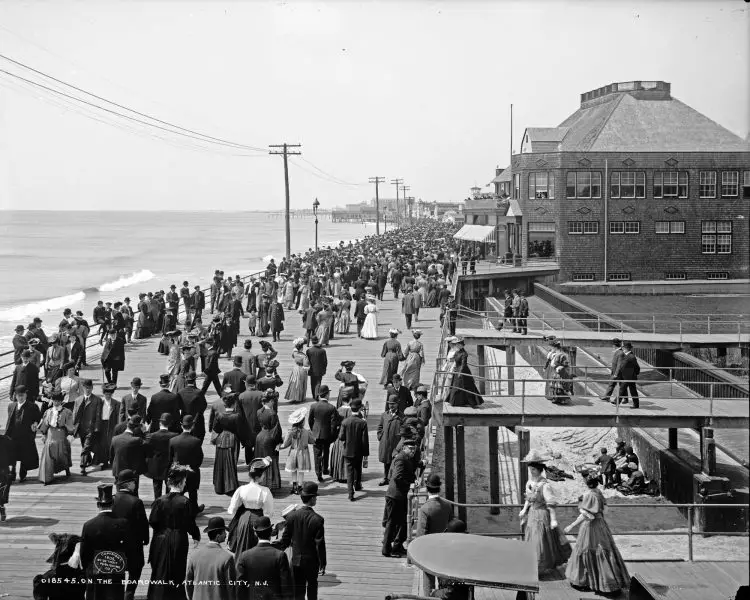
x,y
316,204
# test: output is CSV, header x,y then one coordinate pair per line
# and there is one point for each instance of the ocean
x,y
50,261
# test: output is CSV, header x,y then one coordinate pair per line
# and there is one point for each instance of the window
x,y
541,185
516,186
541,227
746,185
583,227
584,184
716,237
583,276
664,227
617,226
541,240
632,227
628,184
675,275
670,184
707,184
717,275
730,184
619,276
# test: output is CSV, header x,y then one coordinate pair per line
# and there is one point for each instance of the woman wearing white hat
x,y
298,440
539,517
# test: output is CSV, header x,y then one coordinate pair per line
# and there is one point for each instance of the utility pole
x,y
377,181
410,204
397,182
404,189
286,152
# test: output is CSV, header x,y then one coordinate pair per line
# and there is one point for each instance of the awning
x,y
475,233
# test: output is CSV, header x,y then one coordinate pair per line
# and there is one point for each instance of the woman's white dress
x,y
370,328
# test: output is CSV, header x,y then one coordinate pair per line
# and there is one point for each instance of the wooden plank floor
x,y
356,568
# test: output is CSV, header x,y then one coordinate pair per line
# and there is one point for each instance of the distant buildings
x,y
635,185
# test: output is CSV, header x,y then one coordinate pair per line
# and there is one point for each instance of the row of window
x,y
632,184
716,236
669,276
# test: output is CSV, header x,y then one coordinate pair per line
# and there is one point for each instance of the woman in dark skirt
x,y
227,442
596,563
268,439
391,354
172,519
463,390
250,502
338,462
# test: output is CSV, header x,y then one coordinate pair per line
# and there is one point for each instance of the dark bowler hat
x,y
433,482
248,344
309,489
396,377
87,383
26,353
20,328
20,389
188,420
163,379
190,377
409,442
104,494
315,341
393,399
355,404
136,382
323,390
125,476
348,364
616,341
262,524
134,421
165,419
215,524
627,346
237,360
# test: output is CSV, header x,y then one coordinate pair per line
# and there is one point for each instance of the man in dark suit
x,y
128,451
87,422
305,533
264,570
157,465
24,417
162,402
309,322
134,398
186,450
108,534
212,370
100,318
323,420
404,395
616,357
27,375
359,314
193,402
394,517
434,516
20,343
127,505
353,433
113,356
235,378
197,304
251,401
389,429
627,372
318,365
408,306
396,278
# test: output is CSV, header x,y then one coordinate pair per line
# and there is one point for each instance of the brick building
x,y
635,185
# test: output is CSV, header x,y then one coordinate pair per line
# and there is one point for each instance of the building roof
x,y
475,233
506,175
634,118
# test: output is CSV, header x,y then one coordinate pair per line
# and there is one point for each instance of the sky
x,y
415,90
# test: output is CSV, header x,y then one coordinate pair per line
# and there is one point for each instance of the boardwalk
x,y
356,568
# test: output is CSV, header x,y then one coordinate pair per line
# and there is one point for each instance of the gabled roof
x,y
546,134
506,175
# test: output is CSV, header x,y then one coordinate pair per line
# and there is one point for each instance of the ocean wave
x,y
127,280
24,312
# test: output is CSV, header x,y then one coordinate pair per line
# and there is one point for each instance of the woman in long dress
x,y
250,502
463,391
596,563
538,515
338,462
324,318
391,355
185,365
296,391
370,327
172,519
267,442
559,385
264,358
304,296
227,442
414,360
263,310
345,318
56,426
289,295
432,295
298,440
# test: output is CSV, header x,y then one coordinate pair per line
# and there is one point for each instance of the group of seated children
x,y
624,463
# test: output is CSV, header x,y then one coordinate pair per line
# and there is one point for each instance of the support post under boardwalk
x,y
494,472
524,445
461,471
510,361
482,362
449,472
708,454
673,438
572,358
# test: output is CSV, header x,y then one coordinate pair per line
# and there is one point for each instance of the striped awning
x,y
475,233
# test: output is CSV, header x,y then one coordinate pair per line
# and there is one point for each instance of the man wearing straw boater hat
x,y
265,569
211,572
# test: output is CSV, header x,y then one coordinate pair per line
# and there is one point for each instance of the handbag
x,y
565,548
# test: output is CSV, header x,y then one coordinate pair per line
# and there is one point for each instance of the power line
x,y
397,182
333,177
208,137
285,152
377,181
323,177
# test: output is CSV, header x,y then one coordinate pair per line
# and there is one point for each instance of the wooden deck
x,y
665,341
356,568
590,411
